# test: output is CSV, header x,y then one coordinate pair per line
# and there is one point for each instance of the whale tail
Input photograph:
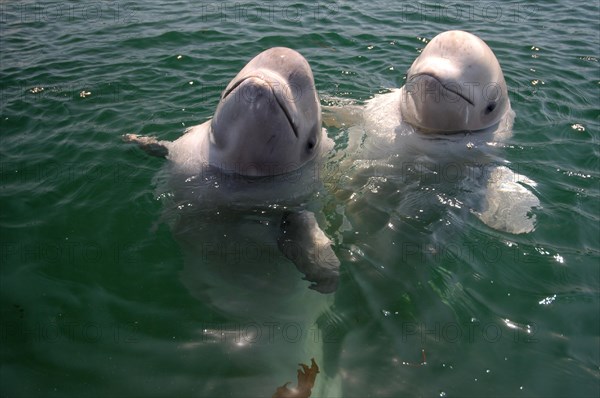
x,y
306,381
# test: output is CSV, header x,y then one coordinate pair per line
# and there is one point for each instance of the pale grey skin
x,y
455,94
267,123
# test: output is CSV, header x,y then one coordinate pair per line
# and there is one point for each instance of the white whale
x,y
267,124
454,109
240,192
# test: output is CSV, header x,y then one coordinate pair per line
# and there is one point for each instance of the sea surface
x,y
96,297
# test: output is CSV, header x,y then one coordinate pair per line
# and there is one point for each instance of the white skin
x,y
455,85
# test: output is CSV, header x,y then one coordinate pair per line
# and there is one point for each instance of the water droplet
x,y
547,300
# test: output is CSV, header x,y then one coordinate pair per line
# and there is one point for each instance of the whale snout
x,y
255,92
429,86
249,89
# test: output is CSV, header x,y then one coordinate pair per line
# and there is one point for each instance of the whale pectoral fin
x,y
307,246
150,145
509,203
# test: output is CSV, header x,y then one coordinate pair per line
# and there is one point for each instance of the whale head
x,y
456,84
268,120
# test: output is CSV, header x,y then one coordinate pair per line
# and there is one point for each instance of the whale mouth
x,y
275,94
444,85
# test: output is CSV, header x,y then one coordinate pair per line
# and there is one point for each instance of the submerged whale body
x,y
240,195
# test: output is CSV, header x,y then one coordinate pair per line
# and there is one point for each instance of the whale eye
x,y
490,108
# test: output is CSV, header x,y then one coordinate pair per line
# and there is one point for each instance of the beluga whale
x,y
244,196
447,122
424,186
266,129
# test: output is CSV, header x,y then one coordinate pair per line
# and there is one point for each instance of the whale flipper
x,y
307,246
150,145
508,202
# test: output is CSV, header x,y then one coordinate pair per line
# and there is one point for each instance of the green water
x,y
93,302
